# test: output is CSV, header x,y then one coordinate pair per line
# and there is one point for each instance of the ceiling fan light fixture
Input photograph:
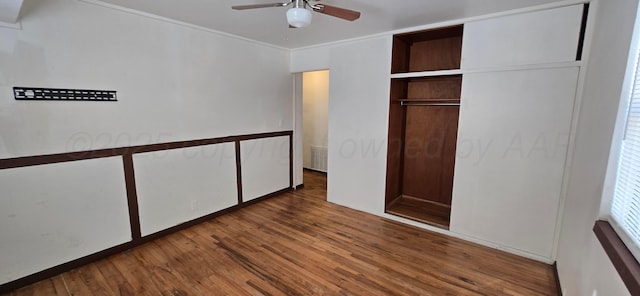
x,y
299,17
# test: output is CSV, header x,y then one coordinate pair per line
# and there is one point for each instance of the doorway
x,y
315,107
314,126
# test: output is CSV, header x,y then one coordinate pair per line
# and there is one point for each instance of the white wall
x,y
173,82
315,107
358,123
583,266
358,118
310,59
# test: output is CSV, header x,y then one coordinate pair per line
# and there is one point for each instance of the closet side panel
x,y
395,143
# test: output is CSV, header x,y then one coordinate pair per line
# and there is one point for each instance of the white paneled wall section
x,y
542,37
56,209
174,83
519,123
513,136
483,212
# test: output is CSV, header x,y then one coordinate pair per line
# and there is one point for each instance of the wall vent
x,y
319,158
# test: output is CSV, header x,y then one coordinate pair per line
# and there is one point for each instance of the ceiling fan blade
x,y
345,14
253,6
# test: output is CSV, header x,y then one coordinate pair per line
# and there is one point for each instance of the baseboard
x,y
64,267
555,273
264,197
465,237
299,187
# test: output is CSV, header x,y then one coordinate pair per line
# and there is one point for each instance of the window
x,y
625,206
620,236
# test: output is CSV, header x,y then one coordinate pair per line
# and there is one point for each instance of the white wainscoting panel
x,y
179,185
54,213
265,166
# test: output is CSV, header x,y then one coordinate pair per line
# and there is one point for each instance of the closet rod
x,y
428,104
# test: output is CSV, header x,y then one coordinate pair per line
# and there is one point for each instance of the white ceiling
x,y
269,25
9,10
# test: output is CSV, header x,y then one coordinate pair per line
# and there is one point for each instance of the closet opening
x,y
423,124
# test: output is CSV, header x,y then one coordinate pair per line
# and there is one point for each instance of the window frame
x,y
625,263
613,239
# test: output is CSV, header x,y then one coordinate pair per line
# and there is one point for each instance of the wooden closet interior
x,y
423,124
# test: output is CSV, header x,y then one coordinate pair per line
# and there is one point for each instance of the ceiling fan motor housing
x,y
299,17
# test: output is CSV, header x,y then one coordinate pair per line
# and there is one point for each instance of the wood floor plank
x,y
73,280
118,283
299,244
142,278
234,276
51,286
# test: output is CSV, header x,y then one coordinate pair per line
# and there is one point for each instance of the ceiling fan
x,y
299,16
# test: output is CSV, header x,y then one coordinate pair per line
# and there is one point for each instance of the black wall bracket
x,y
63,94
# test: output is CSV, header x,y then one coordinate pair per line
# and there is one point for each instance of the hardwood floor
x,y
298,244
315,185
421,210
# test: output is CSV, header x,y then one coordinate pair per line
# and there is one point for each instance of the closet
x,y
423,124
480,125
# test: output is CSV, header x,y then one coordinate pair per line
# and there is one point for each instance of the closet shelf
x,y
432,100
427,73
